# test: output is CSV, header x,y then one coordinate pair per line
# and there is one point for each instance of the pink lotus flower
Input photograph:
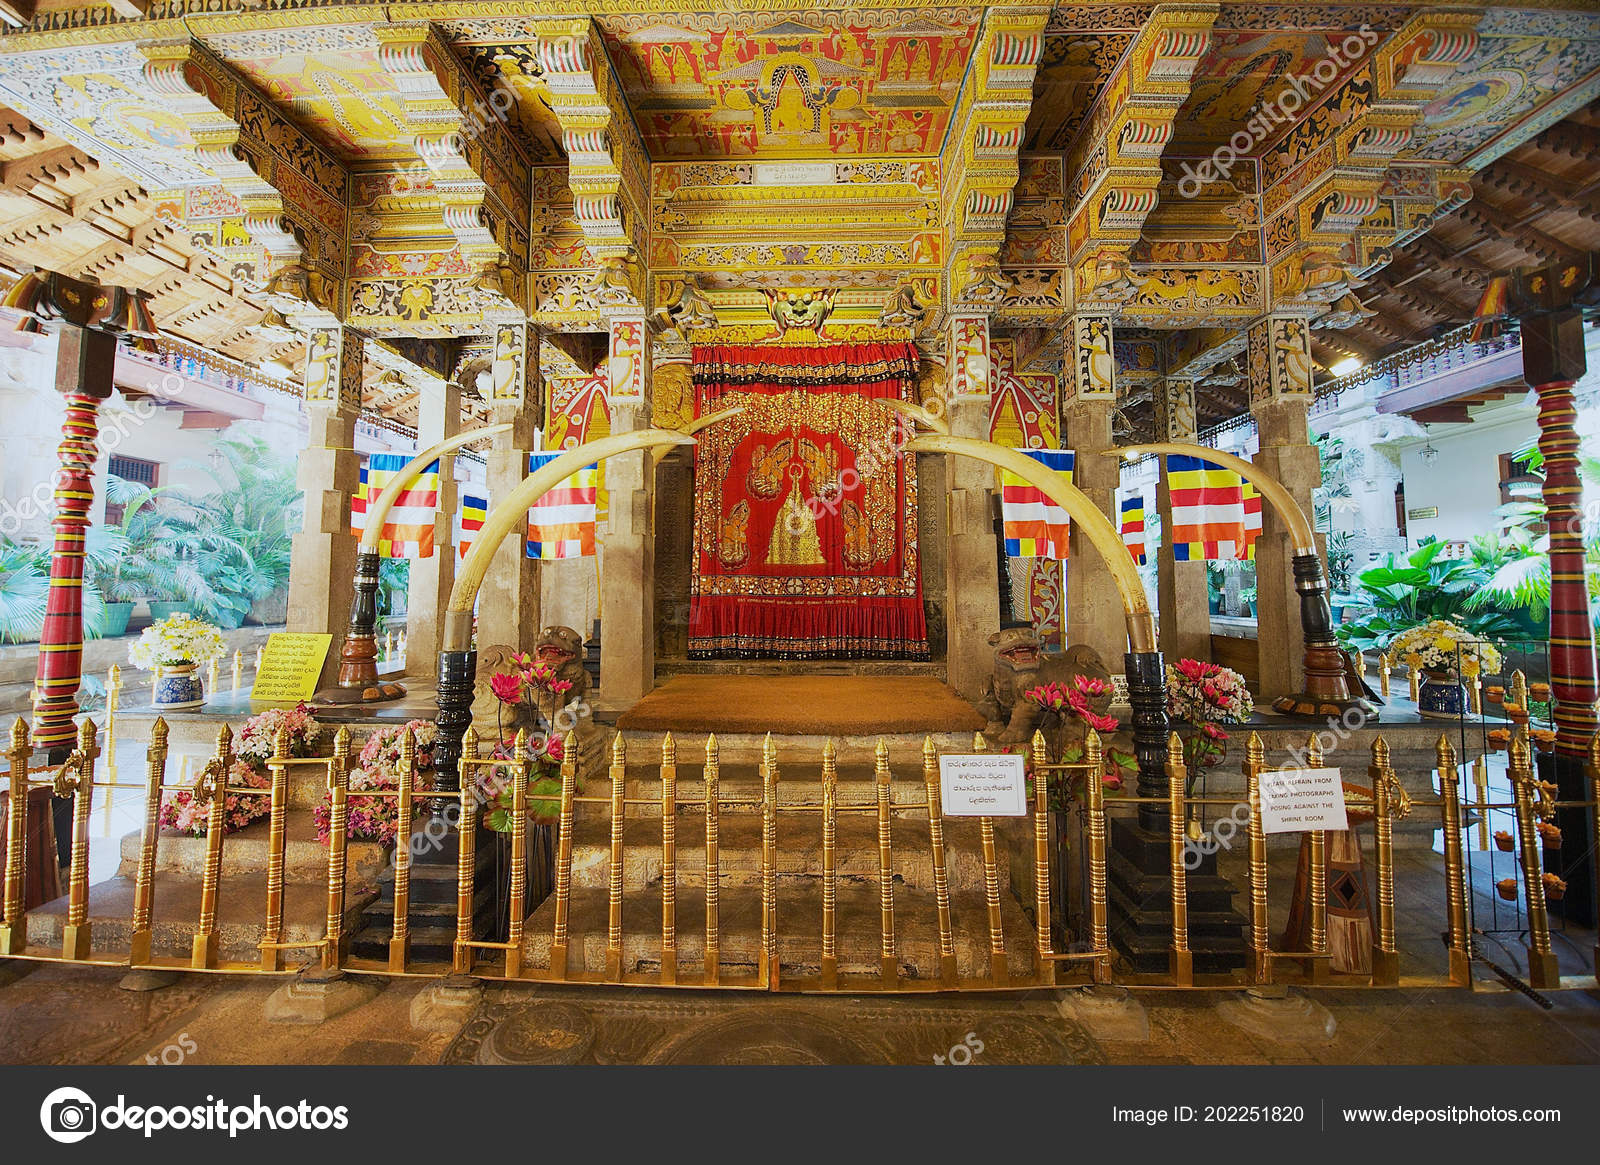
x,y
507,687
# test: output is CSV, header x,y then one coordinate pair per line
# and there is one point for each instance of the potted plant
x,y
1503,840
1214,587
1247,601
174,649
1205,696
1444,651
1507,889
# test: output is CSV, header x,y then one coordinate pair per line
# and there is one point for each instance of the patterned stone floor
x,y
67,1015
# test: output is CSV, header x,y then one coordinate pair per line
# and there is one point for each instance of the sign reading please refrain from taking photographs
x,y
983,784
1299,800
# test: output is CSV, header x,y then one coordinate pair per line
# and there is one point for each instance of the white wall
x,y
1463,482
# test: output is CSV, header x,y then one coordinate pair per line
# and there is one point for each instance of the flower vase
x,y
178,686
1441,696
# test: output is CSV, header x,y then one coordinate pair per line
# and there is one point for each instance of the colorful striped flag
x,y
1252,518
469,520
1035,527
1133,526
562,523
1208,515
408,527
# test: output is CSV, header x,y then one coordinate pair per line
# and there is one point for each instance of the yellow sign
x,y
290,665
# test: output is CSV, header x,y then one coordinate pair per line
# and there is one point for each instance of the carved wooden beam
x,y
979,163
1113,168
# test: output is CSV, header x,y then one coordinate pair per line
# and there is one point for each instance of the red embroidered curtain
x,y
805,520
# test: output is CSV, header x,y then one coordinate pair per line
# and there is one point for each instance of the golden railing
x,y
1089,954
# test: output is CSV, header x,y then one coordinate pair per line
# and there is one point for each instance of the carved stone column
x,y
323,554
627,546
1280,394
972,576
508,602
1185,608
438,417
1089,399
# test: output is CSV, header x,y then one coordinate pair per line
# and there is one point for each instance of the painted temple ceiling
x,y
424,170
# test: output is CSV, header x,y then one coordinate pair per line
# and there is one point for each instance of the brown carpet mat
x,y
802,706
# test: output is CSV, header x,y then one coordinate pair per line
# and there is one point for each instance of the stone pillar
x,y
508,601
323,554
1095,614
1184,606
1280,395
972,576
438,417
627,545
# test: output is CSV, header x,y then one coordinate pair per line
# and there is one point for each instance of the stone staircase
x,y
242,889
798,873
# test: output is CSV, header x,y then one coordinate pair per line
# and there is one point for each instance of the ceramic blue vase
x,y
179,687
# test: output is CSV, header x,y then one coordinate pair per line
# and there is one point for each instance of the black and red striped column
x,y
1572,664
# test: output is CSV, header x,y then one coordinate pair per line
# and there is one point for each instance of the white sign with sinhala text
x,y
983,784
1302,800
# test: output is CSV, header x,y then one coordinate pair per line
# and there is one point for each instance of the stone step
x,y
800,753
799,914
241,916
245,852
799,850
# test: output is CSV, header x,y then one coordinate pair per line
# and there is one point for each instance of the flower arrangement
x,y
1074,703
1441,646
531,681
176,641
1555,889
378,818
185,814
259,736
1206,696
544,783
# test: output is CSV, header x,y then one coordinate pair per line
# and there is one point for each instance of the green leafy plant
x,y
1424,585
24,591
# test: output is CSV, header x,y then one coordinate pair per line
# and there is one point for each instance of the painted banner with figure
x,y
805,518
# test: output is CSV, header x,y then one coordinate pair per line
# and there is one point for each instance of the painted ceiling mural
x,y
812,86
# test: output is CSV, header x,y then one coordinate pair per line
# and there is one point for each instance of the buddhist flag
x,y
469,520
562,523
1133,526
408,528
1207,510
1252,518
1035,527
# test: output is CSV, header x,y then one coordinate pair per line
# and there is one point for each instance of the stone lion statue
x,y
1020,663
560,647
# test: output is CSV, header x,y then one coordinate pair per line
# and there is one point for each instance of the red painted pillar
x,y
61,642
1572,664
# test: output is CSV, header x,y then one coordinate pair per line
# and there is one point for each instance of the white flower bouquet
x,y
175,641
1440,645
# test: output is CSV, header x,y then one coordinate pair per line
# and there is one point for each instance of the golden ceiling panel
x,y
816,85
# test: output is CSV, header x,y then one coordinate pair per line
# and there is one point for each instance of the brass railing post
x,y
569,781
1454,866
1041,858
1543,971
769,969
713,957
830,873
1099,935
888,965
272,933
466,856
999,970
113,696
213,783
405,790
1319,965
238,669
1385,959
1179,959
334,942
1255,760
144,884
518,908
1385,666
14,927
75,934
619,775
941,875
669,859
1480,789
